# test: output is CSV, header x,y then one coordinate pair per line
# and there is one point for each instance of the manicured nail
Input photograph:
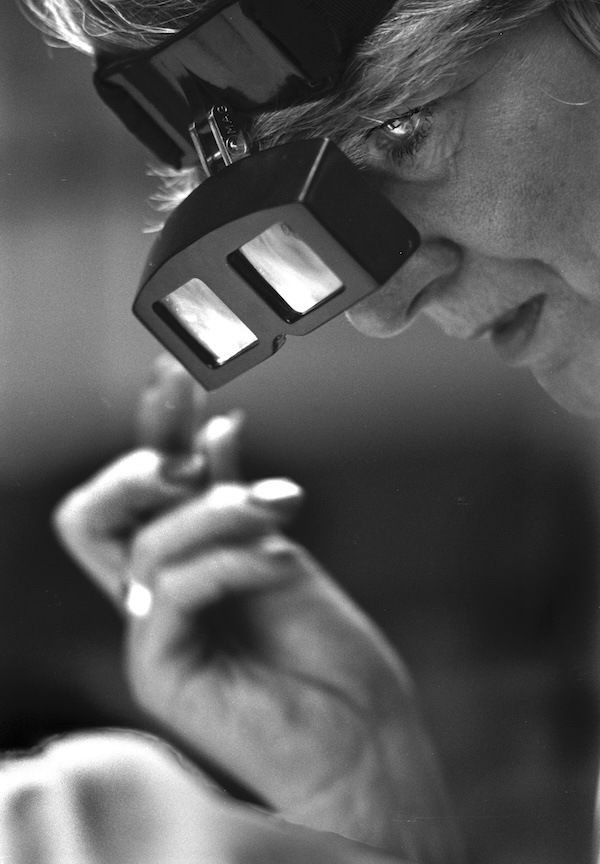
x,y
189,470
219,427
276,490
138,601
228,495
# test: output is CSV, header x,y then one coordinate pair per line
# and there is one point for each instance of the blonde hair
x,y
419,43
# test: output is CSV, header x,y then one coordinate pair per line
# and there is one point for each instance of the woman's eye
x,y
401,137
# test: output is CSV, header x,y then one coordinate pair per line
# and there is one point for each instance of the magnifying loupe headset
x,y
275,241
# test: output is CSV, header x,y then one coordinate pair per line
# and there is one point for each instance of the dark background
x,y
448,494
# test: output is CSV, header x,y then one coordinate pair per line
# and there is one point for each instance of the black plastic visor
x,y
272,243
253,55
243,263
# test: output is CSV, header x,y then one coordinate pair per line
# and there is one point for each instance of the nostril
x,y
415,304
425,297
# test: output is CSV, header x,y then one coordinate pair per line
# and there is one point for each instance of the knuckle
x,y
100,758
24,789
281,549
110,780
231,564
145,546
69,516
227,557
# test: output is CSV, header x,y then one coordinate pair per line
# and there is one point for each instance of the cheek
x,y
510,201
524,179
575,385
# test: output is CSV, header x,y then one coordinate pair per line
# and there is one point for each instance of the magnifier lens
x,y
271,247
210,321
291,268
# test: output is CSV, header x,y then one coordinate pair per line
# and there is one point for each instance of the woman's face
x,y
501,175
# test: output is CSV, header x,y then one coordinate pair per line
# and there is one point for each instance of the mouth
x,y
513,334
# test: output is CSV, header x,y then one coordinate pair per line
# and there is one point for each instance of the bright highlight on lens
x,y
210,321
291,267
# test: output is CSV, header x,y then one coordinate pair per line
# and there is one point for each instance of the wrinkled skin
x,y
249,652
121,798
505,190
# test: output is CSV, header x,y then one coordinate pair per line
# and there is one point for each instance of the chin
x,y
576,390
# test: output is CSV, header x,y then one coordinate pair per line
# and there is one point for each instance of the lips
x,y
513,334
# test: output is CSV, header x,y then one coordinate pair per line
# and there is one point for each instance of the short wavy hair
x,y
418,43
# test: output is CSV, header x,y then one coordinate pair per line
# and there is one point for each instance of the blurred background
x,y
448,494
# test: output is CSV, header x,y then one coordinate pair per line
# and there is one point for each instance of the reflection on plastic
x,y
291,267
210,321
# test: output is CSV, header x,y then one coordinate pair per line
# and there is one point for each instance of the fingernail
x,y
227,495
219,427
189,470
138,601
276,490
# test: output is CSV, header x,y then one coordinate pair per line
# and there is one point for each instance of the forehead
x,y
423,51
404,79
420,66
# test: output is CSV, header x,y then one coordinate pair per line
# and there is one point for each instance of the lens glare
x,y
210,321
291,268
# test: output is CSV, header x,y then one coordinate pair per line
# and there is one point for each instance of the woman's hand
x,y
242,645
121,798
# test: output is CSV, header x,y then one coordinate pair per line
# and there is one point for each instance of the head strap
x,y
320,35
250,56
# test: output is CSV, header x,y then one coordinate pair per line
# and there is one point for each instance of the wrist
x,y
392,798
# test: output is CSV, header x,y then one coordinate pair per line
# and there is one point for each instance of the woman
x,y
479,120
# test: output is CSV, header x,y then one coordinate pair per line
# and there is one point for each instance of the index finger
x,y
225,514
95,520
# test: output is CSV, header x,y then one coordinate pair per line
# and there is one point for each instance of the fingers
x,y
95,521
121,519
109,797
219,440
103,798
171,408
226,514
103,523
170,416
196,583
215,446
177,625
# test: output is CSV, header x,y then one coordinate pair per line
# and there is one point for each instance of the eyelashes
x,y
400,138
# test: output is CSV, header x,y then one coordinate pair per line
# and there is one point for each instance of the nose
x,y
434,265
391,308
